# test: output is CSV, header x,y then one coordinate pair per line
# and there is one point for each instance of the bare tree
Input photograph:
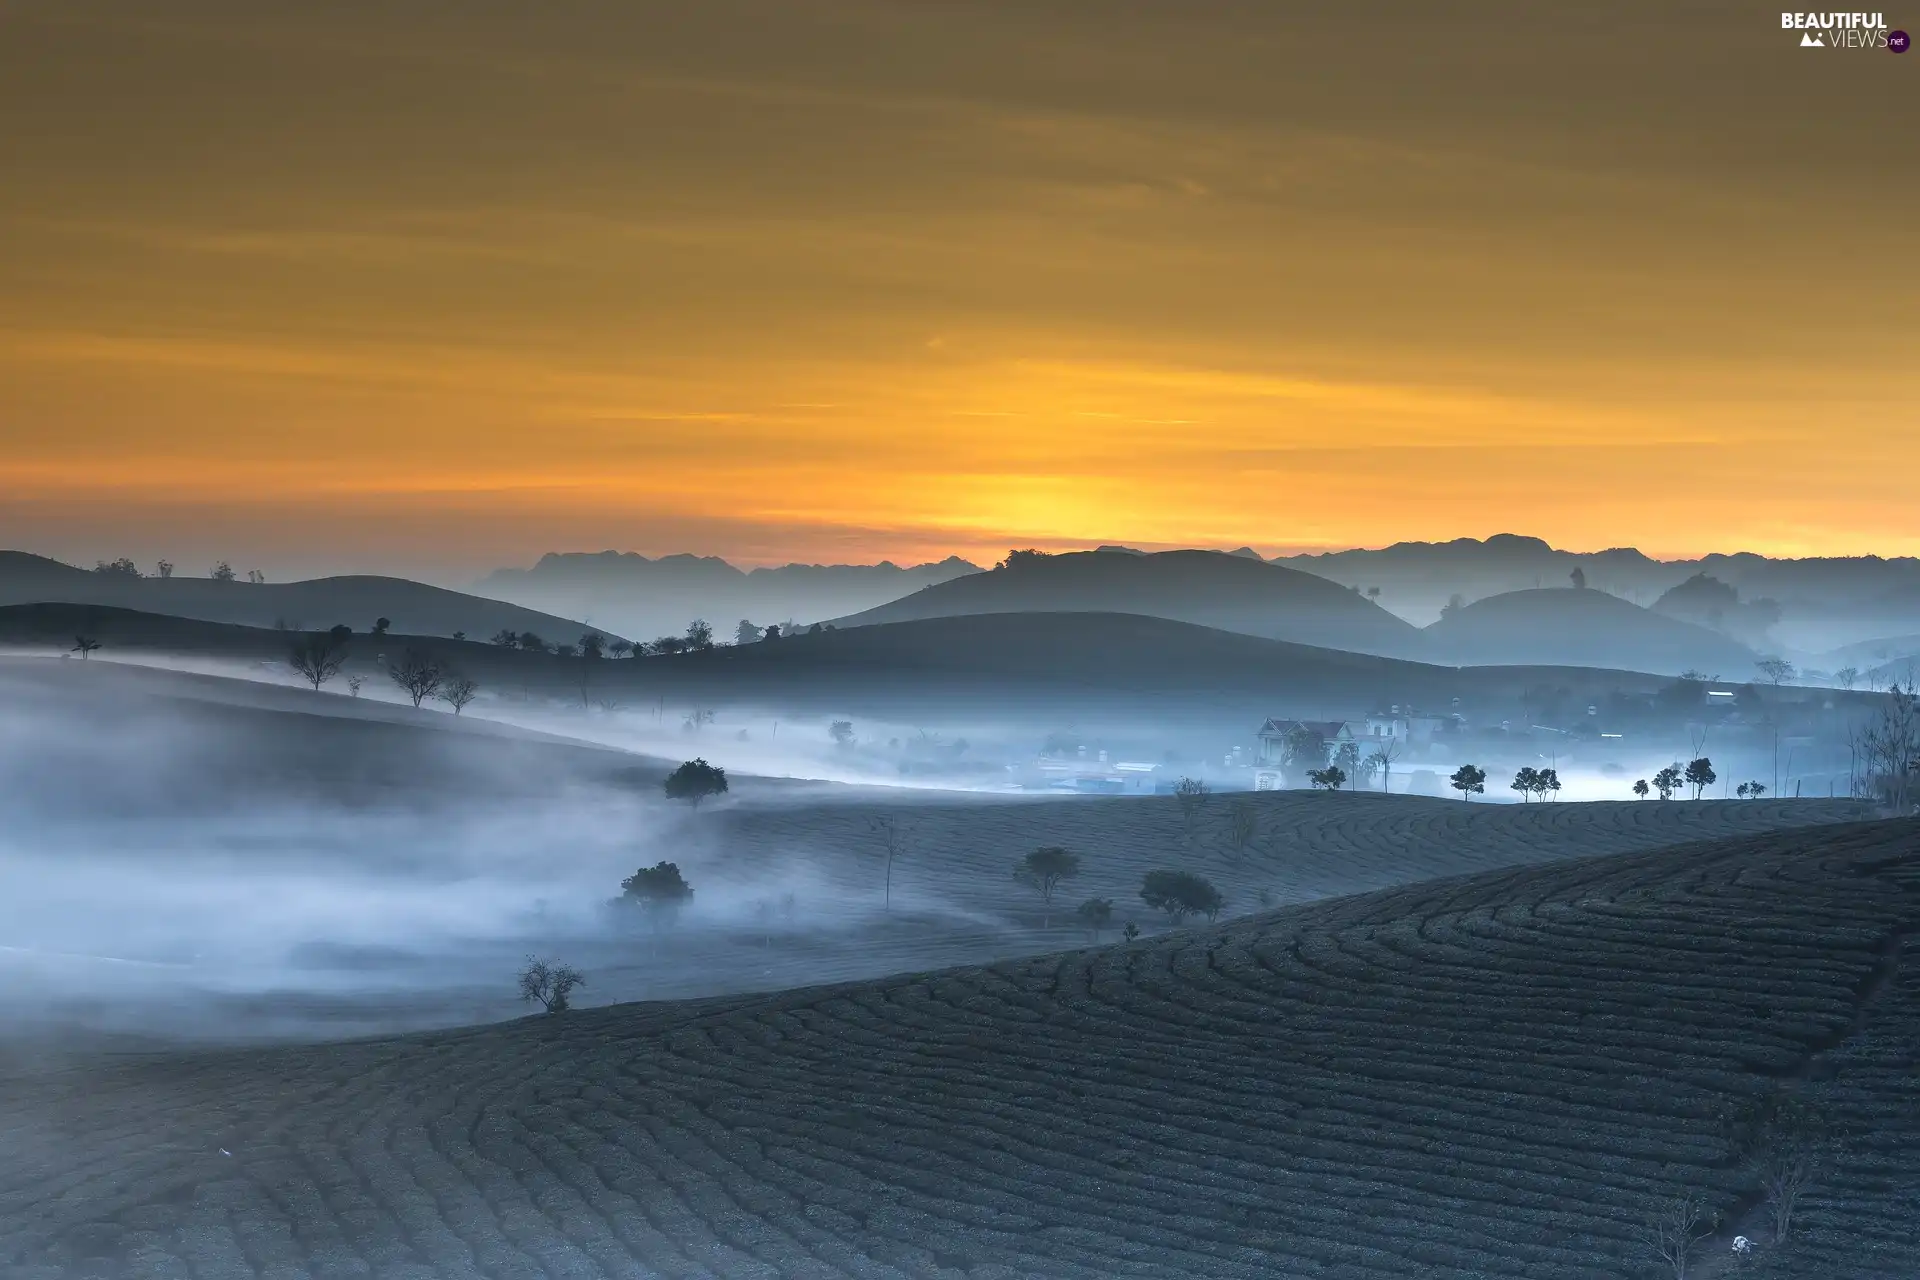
x,y
354,684
419,675
896,836
85,646
549,982
1847,676
458,691
1676,1230
1383,757
256,577
1776,670
1888,749
318,657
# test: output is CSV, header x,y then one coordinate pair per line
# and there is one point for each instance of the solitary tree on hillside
x,y
1667,781
694,781
164,569
1700,775
1096,914
458,692
318,657
1243,826
222,572
1640,788
1846,677
380,625
1547,783
418,673
1469,780
659,890
1579,577
85,646
1526,782
1180,894
1042,871
699,635
1347,759
549,982
1383,756
1191,793
1777,671
1675,1231
896,835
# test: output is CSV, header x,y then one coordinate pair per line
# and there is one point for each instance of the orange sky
x,y
441,287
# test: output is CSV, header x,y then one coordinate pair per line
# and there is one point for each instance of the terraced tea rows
x,y
1307,845
1498,1075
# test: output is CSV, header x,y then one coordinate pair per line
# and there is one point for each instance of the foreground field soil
x,y
1497,1075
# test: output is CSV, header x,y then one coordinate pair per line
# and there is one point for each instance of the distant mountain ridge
x,y
1583,628
643,596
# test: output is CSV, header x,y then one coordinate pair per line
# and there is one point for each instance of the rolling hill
x,y
1566,626
1206,588
1504,1075
1017,666
414,608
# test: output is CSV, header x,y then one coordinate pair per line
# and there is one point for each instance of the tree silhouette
x,y
746,633
1180,894
1191,794
841,731
418,673
699,635
694,781
1469,780
1096,914
1700,775
318,657
1243,826
659,890
1667,781
222,572
1383,757
85,646
1640,788
592,645
1042,871
550,983
164,569
1776,670
458,691
1329,778
1526,782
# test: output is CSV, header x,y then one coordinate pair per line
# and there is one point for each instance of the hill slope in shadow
x,y
1207,588
1503,1075
1567,626
413,607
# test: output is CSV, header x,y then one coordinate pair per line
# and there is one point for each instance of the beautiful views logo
x,y
1844,31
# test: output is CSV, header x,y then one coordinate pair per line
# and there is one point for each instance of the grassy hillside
x,y
1028,666
412,607
1206,588
1503,1075
1566,626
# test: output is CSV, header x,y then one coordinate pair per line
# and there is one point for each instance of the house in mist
x,y
1333,734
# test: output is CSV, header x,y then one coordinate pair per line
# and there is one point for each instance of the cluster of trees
x,y
124,567
1531,782
698,638
1886,750
1178,893
1697,773
320,656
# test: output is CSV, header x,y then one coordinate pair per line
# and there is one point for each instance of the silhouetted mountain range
x,y
316,604
644,597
